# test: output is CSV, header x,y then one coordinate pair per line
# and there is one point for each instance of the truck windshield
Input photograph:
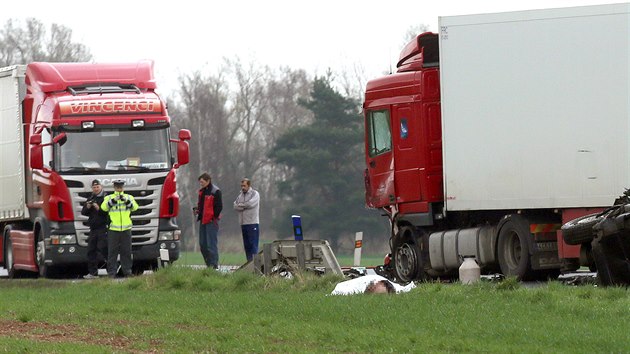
x,y
113,150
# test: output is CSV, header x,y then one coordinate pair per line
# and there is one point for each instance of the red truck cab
x,y
85,121
403,138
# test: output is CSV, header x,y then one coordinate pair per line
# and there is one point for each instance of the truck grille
x,y
145,219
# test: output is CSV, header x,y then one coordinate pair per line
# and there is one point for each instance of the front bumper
x,y
75,254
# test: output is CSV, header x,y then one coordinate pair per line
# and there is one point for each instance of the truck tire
x,y
513,248
8,255
407,257
45,270
580,230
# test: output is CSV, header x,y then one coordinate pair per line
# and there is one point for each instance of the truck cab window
x,y
47,151
115,150
379,131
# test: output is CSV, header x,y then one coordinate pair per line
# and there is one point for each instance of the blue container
x,y
297,227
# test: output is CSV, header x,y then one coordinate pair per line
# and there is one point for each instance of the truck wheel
x,y
8,255
513,248
580,230
45,270
407,256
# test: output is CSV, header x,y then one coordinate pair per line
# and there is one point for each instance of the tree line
x,y
296,136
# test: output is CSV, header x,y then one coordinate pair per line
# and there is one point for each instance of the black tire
x,y
407,258
513,248
45,270
580,230
9,261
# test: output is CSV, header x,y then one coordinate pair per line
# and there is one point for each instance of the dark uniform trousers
x,y
97,250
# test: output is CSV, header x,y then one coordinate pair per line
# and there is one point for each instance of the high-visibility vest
x,y
119,210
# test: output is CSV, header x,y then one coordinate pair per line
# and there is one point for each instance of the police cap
x,y
119,182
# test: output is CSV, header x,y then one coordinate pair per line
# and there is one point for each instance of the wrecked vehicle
x,y
605,241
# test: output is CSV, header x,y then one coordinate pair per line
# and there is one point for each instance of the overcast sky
x,y
182,36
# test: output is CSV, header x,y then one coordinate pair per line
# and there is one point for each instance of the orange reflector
x,y
540,228
358,244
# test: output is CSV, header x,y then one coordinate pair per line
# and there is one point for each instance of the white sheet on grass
x,y
358,285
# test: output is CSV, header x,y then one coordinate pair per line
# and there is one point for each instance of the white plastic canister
x,y
469,271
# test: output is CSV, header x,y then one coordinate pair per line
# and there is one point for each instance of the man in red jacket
x,y
208,212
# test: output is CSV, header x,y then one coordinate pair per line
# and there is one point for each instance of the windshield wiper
x,y
79,169
131,167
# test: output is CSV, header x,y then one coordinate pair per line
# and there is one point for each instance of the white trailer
x,y
536,108
12,159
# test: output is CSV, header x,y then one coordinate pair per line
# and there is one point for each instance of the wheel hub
x,y
514,251
41,252
406,262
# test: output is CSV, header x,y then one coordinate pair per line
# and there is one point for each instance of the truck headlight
x,y
63,239
166,235
169,235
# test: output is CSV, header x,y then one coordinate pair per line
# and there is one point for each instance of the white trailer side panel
x,y
536,108
12,184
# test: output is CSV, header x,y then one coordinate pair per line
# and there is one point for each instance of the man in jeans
x,y
208,210
247,206
98,220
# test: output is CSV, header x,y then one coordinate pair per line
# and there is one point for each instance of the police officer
x,y
119,205
98,220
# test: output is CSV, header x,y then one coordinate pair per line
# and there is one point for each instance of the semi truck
x,y
495,132
63,125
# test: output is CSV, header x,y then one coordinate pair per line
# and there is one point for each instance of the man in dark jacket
x,y
98,220
208,210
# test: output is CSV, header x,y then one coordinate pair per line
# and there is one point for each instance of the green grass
x,y
185,310
195,258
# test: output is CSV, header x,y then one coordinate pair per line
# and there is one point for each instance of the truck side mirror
x,y
37,157
37,149
35,139
183,153
60,139
184,134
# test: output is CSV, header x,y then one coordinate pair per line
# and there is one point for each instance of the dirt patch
x,y
71,333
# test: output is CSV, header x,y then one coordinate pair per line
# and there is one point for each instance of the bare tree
x,y
265,105
235,119
22,45
249,111
353,82
284,90
203,110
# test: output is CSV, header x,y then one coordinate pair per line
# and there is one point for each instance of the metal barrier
x,y
288,255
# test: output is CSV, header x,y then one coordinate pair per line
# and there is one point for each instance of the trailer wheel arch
x,y
514,257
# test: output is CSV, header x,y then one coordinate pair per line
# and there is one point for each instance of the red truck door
x,y
379,158
406,159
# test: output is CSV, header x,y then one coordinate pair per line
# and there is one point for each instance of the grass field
x,y
182,310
